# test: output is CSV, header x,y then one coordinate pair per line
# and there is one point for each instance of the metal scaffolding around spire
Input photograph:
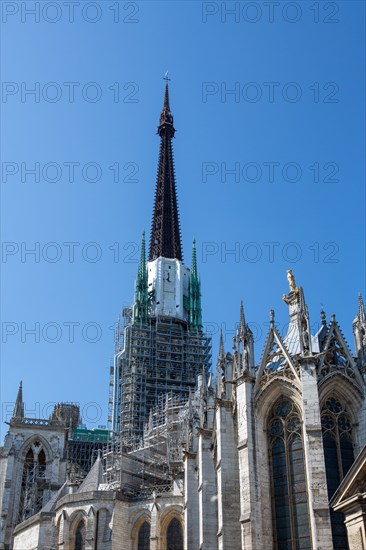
x,y
160,347
165,237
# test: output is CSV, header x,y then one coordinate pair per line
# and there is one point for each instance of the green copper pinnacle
x,y
195,309
194,259
141,292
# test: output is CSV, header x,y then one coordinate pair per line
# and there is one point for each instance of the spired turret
x,y
195,310
165,288
165,238
140,309
243,347
168,279
19,403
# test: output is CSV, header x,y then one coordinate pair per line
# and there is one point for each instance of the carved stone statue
x,y
291,280
223,379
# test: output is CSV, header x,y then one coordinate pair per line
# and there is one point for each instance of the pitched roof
x,y
94,477
51,504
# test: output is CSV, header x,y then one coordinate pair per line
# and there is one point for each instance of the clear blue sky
x,y
294,129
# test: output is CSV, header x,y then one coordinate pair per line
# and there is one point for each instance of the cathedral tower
x,y
160,348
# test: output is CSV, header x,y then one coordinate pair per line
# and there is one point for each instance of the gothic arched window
x,y
338,455
174,535
144,537
32,482
80,535
289,494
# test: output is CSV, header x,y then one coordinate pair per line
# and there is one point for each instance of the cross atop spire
x,y
166,97
166,117
165,238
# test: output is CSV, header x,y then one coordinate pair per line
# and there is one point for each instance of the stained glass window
x,y
289,494
174,535
338,455
144,537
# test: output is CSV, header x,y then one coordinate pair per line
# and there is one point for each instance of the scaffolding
x,y
114,385
82,450
154,464
35,486
152,360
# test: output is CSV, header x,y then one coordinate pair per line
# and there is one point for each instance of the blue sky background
x,y
197,48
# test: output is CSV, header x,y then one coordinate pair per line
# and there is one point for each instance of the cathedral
x,y
262,453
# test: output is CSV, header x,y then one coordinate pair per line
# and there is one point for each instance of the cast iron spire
x,y
165,231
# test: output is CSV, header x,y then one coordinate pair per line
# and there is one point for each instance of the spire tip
x,y
221,345
165,239
271,316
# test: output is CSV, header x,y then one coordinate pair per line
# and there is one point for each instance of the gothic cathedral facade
x,y
261,454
